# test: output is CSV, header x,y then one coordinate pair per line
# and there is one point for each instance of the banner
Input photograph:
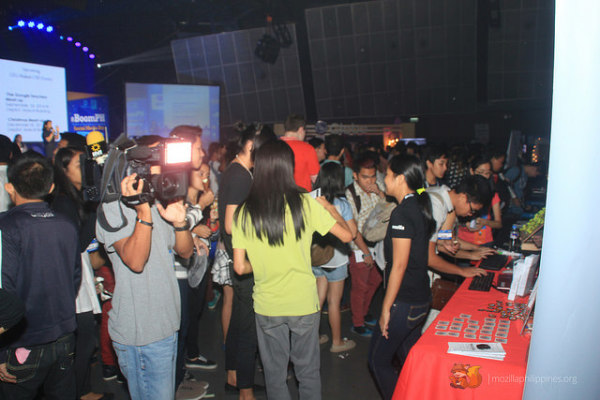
x,y
88,114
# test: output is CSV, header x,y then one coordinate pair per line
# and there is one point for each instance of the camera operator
x,y
145,318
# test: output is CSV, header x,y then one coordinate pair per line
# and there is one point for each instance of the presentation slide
x,y
155,109
31,94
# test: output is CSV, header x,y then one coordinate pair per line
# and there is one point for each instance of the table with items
x,y
484,323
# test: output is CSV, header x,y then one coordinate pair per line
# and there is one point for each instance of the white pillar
x,y
564,358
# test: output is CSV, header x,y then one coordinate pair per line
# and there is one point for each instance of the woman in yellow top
x,y
274,228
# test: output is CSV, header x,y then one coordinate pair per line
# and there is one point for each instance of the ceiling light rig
x,y
49,29
276,37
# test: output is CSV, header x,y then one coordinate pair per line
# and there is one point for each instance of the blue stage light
x,y
77,44
40,26
85,49
92,56
31,24
61,37
21,23
49,29
10,28
69,39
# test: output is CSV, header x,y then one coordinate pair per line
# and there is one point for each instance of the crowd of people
x,y
137,275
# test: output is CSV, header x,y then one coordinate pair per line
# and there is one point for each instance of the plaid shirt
x,y
368,201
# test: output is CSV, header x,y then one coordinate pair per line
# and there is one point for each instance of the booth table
x,y
428,368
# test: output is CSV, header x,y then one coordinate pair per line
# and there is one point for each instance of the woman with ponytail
x,y
408,294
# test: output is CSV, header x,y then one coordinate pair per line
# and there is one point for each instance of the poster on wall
x,y
88,112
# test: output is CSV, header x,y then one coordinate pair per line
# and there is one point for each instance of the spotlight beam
x,y
156,55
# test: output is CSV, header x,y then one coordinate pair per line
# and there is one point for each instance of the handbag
x,y
442,291
321,250
222,266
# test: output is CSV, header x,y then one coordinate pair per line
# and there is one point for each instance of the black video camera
x,y
170,181
142,156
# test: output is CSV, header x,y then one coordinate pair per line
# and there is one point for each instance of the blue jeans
x,y
49,366
149,369
404,329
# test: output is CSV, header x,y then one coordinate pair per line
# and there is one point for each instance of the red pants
x,y
106,349
365,282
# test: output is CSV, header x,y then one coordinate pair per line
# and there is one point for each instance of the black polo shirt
x,y
407,222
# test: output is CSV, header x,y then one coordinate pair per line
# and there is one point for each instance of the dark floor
x,y
343,375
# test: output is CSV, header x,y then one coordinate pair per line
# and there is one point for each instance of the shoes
x,y
216,297
323,339
370,321
109,372
200,362
347,344
121,377
187,377
190,390
362,331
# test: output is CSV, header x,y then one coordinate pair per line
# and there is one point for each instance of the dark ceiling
x,y
117,30
120,28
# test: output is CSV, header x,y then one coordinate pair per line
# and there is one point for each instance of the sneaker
x,y
190,390
323,339
362,331
121,377
216,297
347,344
200,362
109,372
370,321
191,378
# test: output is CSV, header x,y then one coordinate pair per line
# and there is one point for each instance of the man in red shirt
x,y
306,164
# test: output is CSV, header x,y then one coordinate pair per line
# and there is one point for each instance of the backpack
x,y
375,227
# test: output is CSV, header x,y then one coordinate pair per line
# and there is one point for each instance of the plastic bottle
x,y
514,237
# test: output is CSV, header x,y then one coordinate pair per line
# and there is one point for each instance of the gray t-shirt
x,y
441,206
146,305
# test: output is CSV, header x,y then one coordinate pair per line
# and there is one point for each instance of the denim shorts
x,y
332,274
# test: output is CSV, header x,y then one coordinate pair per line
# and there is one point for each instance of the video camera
x,y
102,171
173,156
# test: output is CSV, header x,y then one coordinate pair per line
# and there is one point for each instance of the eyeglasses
x,y
471,208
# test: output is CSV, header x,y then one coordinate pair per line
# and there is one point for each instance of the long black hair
x,y
331,181
272,191
63,183
410,167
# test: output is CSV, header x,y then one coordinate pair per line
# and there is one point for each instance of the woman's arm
x,y
341,232
439,264
241,265
353,228
340,229
229,211
400,252
496,223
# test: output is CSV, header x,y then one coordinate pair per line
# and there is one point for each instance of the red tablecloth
x,y
427,370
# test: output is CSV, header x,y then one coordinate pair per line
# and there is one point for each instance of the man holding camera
x,y
145,318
